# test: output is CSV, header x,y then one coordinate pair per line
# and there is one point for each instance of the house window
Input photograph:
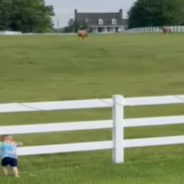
x,y
114,21
100,22
87,21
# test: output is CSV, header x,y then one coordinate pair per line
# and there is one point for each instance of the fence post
x,y
117,131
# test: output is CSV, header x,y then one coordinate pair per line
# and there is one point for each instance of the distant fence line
x,y
20,33
175,29
117,124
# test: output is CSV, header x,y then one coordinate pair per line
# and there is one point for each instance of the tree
x,y
5,9
73,26
25,15
71,22
146,13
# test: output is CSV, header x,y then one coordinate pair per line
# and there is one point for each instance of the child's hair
x,y
3,137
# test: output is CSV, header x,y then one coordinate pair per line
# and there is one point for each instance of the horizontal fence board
x,y
64,148
153,121
89,125
157,100
55,105
158,141
88,104
101,145
56,127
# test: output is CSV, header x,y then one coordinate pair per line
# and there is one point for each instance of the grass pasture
x,y
49,68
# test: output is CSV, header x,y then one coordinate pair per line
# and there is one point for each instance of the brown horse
x,y
165,29
82,34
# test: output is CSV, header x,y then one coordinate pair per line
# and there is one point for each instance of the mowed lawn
x,y
49,68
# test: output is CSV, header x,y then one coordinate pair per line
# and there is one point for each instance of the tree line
x,y
26,15
36,16
147,13
74,26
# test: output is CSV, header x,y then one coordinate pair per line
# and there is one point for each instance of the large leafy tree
x,y
25,15
145,13
73,26
5,13
71,22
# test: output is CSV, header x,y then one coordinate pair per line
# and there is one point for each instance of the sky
x,y
64,9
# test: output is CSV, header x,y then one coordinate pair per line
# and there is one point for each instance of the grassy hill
x,y
49,68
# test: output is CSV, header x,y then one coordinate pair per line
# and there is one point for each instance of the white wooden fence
x,y
117,124
13,33
175,29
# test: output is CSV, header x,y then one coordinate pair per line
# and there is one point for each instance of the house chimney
x,y
75,12
76,20
121,13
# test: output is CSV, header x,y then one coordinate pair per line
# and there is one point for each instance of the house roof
x,y
93,18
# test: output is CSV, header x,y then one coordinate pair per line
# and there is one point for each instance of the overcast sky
x,y
64,9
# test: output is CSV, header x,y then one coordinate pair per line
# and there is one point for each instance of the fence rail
x,y
89,104
8,33
175,29
117,124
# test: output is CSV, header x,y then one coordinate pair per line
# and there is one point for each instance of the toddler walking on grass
x,y
8,155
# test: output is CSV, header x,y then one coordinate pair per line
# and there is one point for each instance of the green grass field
x,y
49,68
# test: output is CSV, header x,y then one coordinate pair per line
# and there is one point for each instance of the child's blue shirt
x,y
8,149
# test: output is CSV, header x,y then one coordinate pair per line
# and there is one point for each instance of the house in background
x,y
102,22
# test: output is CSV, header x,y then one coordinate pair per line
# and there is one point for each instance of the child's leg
x,y
15,171
14,166
4,164
5,170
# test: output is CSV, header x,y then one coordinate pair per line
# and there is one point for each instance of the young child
x,y
8,154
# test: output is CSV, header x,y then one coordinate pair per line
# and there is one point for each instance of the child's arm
x,y
19,144
1,150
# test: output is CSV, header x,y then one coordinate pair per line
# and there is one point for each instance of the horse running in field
x,y
82,34
165,30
